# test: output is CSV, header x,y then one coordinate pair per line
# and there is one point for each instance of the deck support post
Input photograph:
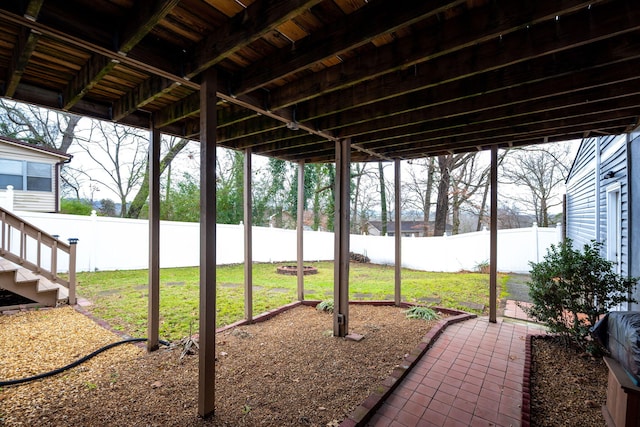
x,y
207,352
398,234
341,232
153,326
300,231
493,244
248,239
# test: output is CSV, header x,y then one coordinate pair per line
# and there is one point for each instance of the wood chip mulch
x,y
568,386
289,371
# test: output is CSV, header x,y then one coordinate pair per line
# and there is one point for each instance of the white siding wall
x,y
36,201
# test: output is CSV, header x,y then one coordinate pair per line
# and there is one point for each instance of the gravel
x,y
289,371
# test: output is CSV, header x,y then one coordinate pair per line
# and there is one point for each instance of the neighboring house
x,y
600,200
407,228
34,173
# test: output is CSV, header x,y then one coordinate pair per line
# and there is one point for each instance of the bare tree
x,y
466,180
360,194
540,170
383,198
419,188
120,157
446,165
171,147
52,129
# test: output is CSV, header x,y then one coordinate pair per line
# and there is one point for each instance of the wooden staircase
x,y
23,270
38,289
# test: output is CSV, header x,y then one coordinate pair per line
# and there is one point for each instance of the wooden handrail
x,y
9,222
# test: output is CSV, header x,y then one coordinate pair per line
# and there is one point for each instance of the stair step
x,y
29,285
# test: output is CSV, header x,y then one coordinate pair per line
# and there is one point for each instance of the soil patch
x,y
289,371
568,387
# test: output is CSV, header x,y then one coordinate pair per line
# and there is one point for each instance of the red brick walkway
x,y
472,376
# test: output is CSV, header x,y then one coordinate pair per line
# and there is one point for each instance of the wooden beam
x,y
300,231
520,84
146,15
22,51
148,91
89,75
32,10
338,37
341,232
187,106
535,125
158,65
533,117
453,45
207,352
258,19
190,106
153,318
398,233
248,238
493,245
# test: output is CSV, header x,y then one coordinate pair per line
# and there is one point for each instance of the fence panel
x,y
121,244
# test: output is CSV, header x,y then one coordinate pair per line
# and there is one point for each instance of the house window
x,y
23,175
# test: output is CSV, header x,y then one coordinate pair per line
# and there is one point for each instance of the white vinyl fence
x,y
122,244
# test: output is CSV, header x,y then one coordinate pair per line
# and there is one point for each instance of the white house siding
x,y
36,201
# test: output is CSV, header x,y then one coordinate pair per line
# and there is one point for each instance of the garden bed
x,y
568,387
289,370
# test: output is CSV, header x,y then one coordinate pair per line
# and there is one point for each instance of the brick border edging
x,y
363,413
526,381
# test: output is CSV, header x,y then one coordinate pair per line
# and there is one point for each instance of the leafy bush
x,y
75,207
420,312
571,290
326,305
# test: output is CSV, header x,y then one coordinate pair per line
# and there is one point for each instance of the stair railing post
x,y
72,270
54,258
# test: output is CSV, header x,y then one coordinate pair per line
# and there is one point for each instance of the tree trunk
x,y
69,133
427,197
143,193
383,199
544,215
442,204
455,214
482,205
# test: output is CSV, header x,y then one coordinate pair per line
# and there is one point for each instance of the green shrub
x,y
75,207
572,289
420,312
326,305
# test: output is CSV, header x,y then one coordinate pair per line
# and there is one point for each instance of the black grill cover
x,y
619,332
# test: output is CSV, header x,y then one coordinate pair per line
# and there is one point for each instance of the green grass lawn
x,y
120,297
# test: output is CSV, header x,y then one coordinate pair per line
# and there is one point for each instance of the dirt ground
x,y
568,387
288,371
